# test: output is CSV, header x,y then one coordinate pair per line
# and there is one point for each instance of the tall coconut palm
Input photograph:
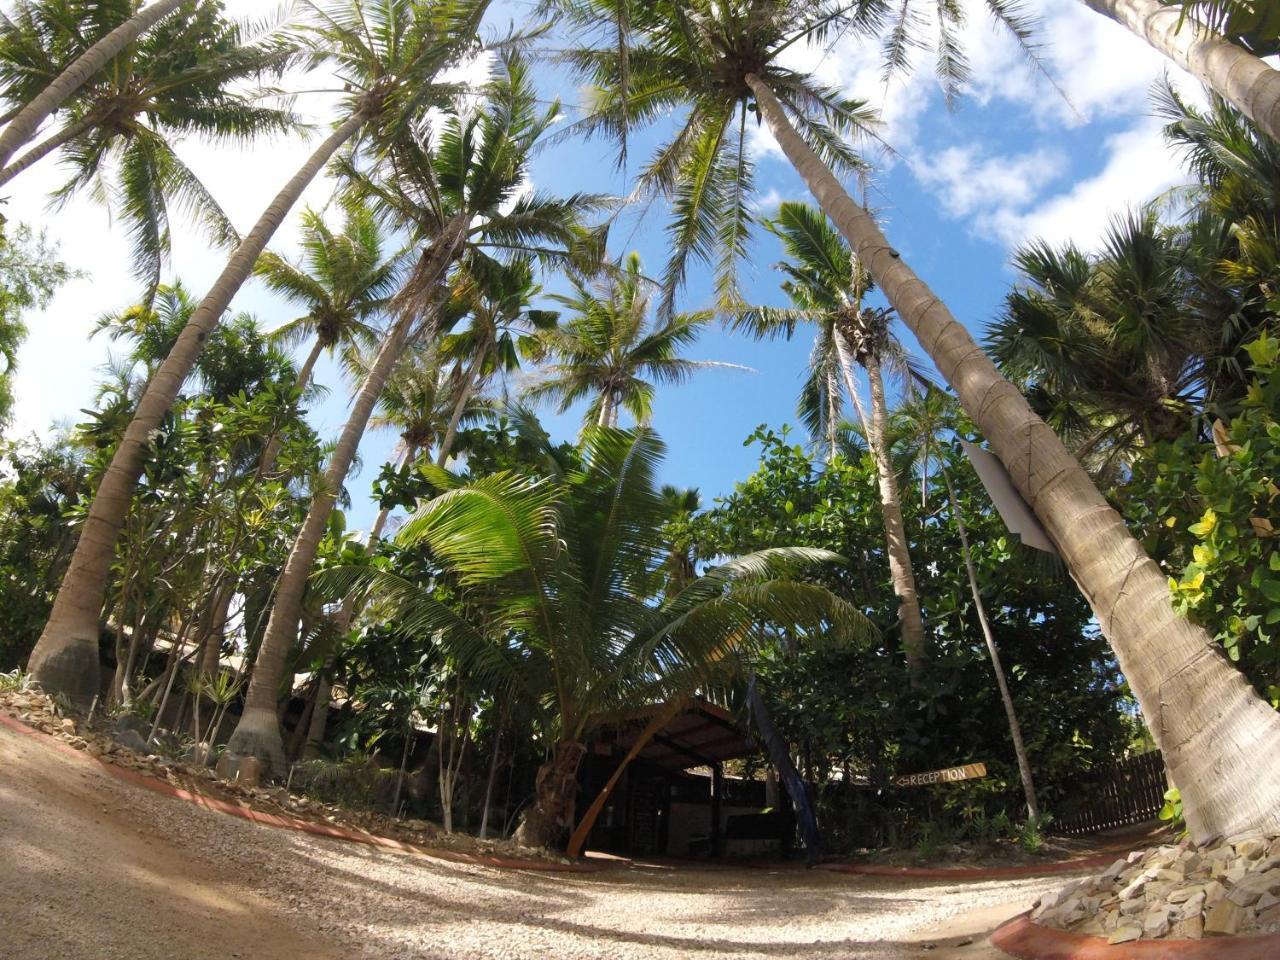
x,y
458,195
37,32
827,286
501,325
1117,336
187,76
344,282
1236,74
388,54
559,572
719,62
611,353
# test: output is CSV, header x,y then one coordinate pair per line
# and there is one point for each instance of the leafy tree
x,y
847,712
1208,509
30,272
39,485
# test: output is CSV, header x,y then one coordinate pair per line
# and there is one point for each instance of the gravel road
x,y
96,868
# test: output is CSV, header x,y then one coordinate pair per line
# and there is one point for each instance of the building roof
x,y
700,735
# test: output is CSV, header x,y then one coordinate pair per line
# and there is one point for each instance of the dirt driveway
x,y
97,868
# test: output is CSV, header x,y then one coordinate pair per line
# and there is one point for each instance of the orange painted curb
x,y
246,812
973,873
1022,938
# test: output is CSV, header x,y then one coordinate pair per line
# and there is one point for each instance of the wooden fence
x,y
1130,792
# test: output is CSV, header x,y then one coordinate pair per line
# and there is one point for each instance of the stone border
x,y
1022,938
246,812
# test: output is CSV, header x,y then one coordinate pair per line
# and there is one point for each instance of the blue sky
x,y
964,187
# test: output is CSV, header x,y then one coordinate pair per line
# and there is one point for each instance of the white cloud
x,y
967,182
1139,167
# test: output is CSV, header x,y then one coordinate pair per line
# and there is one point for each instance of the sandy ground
x,y
95,868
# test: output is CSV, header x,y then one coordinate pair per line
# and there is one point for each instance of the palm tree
x,y
40,101
501,326
462,195
1115,342
826,286
555,576
388,54
184,77
1230,70
721,61
344,282
611,353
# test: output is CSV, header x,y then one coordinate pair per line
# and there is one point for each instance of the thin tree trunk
x,y
65,659
895,531
488,788
465,389
1015,728
1221,741
24,126
404,762
258,732
904,577
319,717
46,147
606,402
1231,71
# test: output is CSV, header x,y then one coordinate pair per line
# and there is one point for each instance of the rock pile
x,y
1174,893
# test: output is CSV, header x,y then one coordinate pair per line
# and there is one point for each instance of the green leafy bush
x,y
1209,512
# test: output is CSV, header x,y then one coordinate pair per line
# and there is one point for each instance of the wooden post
x,y
717,789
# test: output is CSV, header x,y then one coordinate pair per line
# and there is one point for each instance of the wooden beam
x,y
680,748
660,720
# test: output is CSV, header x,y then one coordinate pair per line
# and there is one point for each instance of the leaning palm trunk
x,y
1220,740
25,124
465,390
547,823
258,733
895,531
1243,80
1015,728
47,146
65,659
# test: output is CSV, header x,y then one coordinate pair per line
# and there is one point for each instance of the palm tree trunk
x,y
465,389
1015,728
833,416
24,126
258,733
895,530
1221,741
46,147
319,717
65,659
1245,81
547,823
